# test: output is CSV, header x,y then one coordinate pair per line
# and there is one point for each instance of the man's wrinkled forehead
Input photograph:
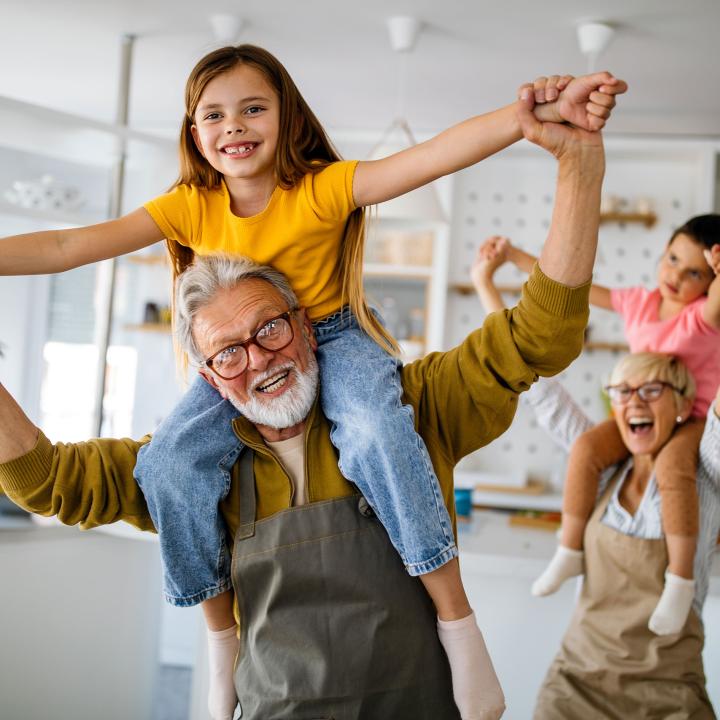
x,y
234,314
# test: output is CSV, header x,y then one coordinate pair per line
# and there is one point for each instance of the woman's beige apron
x,y
332,626
610,665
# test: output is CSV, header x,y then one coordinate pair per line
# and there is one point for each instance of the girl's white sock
x,y
675,602
223,647
566,563
476,689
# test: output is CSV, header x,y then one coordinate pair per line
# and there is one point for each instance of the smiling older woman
x,y
610,665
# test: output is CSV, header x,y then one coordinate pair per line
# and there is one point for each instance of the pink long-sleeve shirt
x,y
687,336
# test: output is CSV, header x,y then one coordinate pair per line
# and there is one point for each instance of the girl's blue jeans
x,y
184,472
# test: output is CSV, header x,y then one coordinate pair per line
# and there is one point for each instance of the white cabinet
x,y
62,316
405,278
79,625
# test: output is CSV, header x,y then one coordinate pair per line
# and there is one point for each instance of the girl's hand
x,y
713,258
586,101
548,89
489,257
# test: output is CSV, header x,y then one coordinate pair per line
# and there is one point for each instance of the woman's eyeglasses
x,y
647,392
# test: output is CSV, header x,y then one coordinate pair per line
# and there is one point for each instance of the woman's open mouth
x,y
640,425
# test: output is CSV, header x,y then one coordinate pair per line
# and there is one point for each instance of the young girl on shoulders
x,y
259,177
680,317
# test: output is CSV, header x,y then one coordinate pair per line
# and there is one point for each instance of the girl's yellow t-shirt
x,y
299,232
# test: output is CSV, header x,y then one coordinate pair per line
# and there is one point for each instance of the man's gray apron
x,y
332,626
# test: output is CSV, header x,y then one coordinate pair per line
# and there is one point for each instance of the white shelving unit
x,y
77,152
511,194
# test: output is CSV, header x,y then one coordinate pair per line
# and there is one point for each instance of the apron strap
x,y
618,476
248,502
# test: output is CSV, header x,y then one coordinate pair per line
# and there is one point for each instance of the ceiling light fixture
x,y
423,203
593,38
226,28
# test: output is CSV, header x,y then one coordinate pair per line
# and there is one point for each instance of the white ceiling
x,y
469,58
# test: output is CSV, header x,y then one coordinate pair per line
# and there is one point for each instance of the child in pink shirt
x,y
680,317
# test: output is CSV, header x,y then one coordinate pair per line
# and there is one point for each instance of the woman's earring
x,y
678,419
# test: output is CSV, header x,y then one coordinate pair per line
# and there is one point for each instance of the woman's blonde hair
x,y
303,147
656,366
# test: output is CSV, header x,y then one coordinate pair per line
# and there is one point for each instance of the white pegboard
x,y
512,195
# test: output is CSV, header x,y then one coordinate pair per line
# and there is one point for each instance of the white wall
x,y
512,194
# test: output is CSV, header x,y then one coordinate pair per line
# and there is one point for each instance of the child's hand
x,y
548,89
586,101
713,258
490,256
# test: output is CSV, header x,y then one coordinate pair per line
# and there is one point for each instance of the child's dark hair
x,y
303,147
703,229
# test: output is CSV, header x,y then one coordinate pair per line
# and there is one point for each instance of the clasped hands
x,y
562,113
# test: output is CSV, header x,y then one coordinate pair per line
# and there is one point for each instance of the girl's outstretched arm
x,y
53,251
586,102
711,309
458,147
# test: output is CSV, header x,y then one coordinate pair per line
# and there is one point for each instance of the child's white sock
x,y
566,563
476,689
675,602
223,647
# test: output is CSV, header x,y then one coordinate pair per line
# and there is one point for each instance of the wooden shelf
x,y
646,219
401,272
607,346
58,117
549,501
165,328
468,289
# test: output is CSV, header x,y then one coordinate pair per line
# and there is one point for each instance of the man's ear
x,y
212,380
309,330
196,138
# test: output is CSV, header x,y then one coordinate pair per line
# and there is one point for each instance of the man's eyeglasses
x,y
647,392
232,361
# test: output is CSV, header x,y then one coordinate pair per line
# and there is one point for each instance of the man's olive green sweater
x,y
463,399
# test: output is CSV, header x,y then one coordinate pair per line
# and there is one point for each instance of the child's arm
x,y
586,102
711,309
54,251
599,295
490,256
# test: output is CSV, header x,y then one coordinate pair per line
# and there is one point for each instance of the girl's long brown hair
x,y
302,147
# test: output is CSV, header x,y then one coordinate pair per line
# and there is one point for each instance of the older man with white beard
x,y
331,624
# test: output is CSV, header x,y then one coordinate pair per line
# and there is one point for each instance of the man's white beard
x,y
293,406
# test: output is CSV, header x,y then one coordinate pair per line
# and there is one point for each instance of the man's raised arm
x,y
469,394
17,434
568,255
88,483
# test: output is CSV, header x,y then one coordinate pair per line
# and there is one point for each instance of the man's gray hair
x,y
200,282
